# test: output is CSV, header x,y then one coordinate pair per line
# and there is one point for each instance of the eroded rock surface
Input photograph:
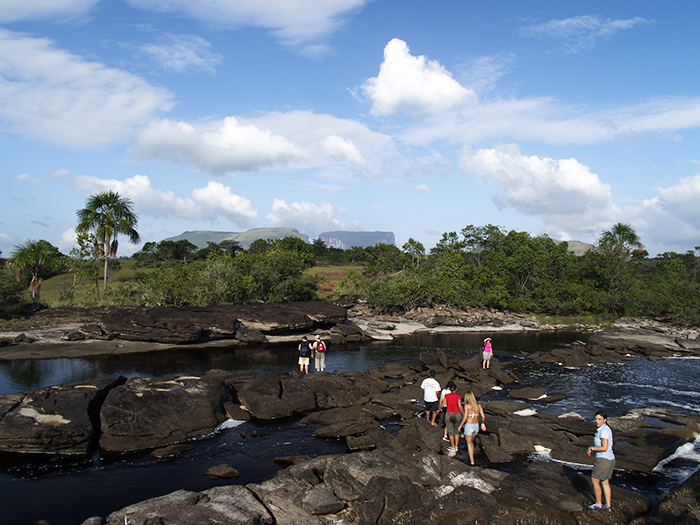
x,y
55,420
153,412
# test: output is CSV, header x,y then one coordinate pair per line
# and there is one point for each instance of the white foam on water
x,y
525,412
690,452
229,423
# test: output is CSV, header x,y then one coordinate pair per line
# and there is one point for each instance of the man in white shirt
x,y
431,395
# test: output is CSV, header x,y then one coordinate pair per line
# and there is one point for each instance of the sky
x,y
420,118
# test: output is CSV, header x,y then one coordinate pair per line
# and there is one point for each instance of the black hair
x,y
431,373
601,413
451,385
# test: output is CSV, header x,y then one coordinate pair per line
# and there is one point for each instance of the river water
x,y
66,491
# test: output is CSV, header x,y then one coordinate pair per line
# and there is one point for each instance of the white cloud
x,y
211,203
482,73
421,188
24,177
182,53
671,220
451,112
413,84
67,241
301,24
58,97
18,10
565,193
340,149
548,121
305,216
217,148
294,140
581,32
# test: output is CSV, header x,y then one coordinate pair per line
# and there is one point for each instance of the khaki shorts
x,y
304,361
603,469
452,420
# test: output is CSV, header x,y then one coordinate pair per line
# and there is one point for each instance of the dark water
x,y
67,491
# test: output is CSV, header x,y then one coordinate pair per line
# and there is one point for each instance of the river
x,y
66,491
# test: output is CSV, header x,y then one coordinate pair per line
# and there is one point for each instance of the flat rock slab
x,y
641,341
154,412
169,324
56,420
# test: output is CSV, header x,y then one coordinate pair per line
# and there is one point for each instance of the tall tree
x,y
35,258
108,215
416,250
622,240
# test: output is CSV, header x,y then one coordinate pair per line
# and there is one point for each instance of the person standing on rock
x,y
305,353
604,462
472,412
453,415
488,354
431,393
319,349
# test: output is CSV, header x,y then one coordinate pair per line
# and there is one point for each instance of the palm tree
x,y
621,239
35,258
108,215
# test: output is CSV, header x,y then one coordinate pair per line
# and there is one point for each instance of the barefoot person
x,y
488,354
472,412
453,415
431,393
305,352
604,462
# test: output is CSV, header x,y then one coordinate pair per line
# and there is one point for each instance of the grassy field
x,y
124,287
331,279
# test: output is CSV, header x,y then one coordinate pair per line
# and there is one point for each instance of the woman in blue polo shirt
x,y
604,462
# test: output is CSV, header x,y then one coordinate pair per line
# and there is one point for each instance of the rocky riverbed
x,y
400,477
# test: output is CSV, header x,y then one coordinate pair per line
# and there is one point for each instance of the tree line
x,y
485,266
481,266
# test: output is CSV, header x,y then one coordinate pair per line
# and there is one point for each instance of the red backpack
x,y
321,346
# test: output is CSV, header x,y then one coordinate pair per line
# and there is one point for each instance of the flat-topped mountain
x,y
345,240
200,238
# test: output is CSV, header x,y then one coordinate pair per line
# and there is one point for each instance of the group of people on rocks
x,y
464,416
460,415
315,350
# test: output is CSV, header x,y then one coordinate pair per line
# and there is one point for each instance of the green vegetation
x,y
33,261
481,266
488,267
107,215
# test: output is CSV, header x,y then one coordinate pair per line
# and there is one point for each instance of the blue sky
x,y
552,117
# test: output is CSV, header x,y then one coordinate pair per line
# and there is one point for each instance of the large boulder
x,y
243,322
168,324
153,412
58,419
228,504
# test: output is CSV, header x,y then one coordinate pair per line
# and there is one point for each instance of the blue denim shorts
x,y
471,429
